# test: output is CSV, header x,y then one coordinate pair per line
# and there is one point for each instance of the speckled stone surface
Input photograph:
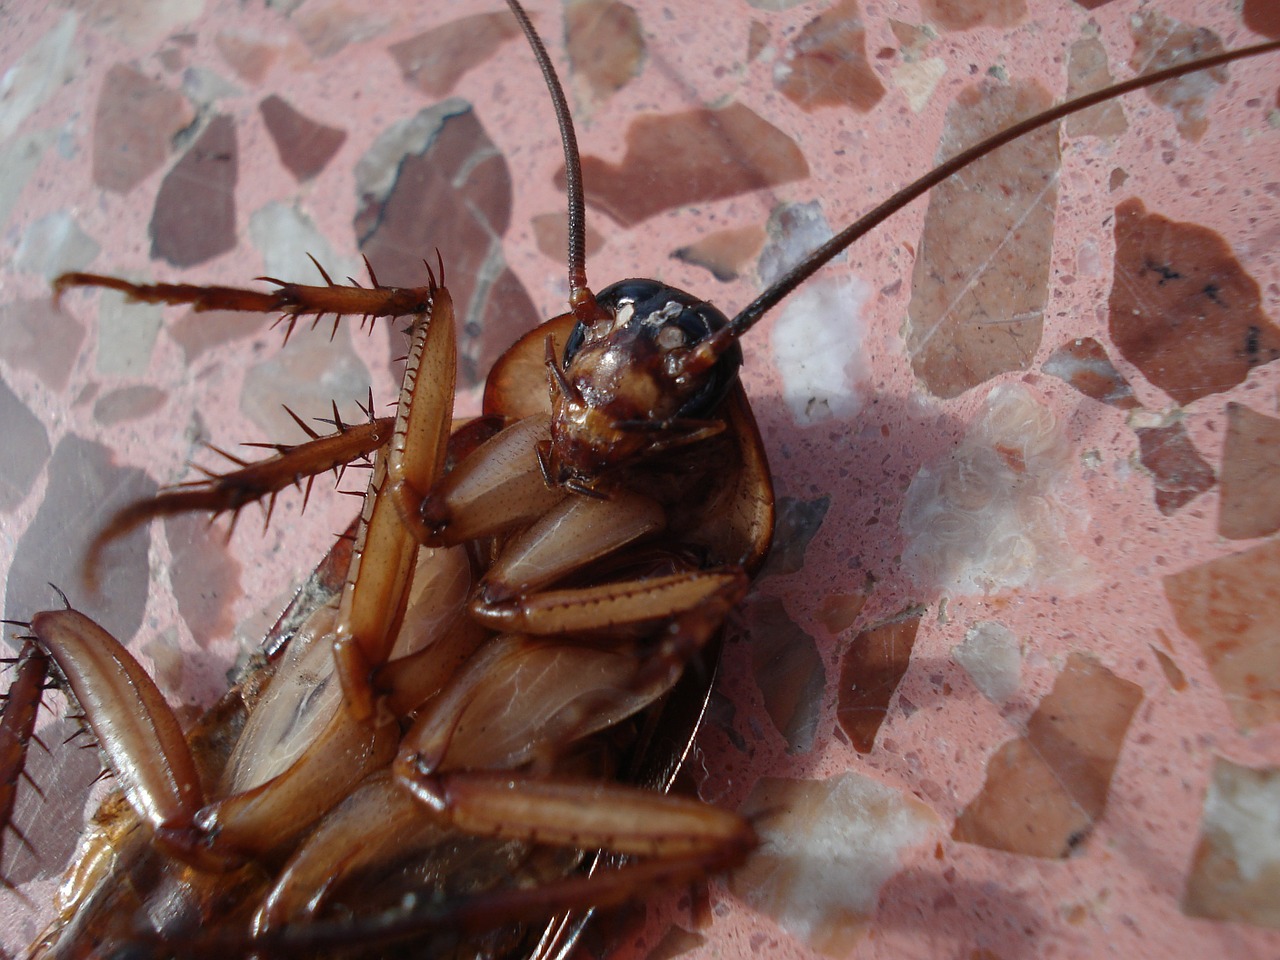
x,y
1026,510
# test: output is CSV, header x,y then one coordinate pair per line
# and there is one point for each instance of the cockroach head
x,y
647,374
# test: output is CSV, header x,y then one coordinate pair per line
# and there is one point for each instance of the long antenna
x,y
842,240
581,300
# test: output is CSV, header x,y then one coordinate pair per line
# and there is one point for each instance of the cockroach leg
x,y
136,729
235,489
587,816
17,728
292,300
382,564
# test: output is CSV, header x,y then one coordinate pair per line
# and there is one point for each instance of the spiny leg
x,y
17,729
291,300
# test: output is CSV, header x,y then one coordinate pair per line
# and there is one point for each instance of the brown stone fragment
x,y
1229,607
838,611
967,14
605,44
870,671
195,213
304,145
1183,311
38,336
25,449
1091,4
205,575
1159,42
1172,672
197,332
436,60
328,26
53,826
797,521
455,195
1179,472
726,252
551,234
1087,71
676,942
1263,16
85,488
757,40
247,57
1045,790
788,671
826,65
691,157
913,38
128,403
1084,364
133,127
1235,875
981,281
1250,501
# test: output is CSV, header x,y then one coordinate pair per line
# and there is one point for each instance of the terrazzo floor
x,y
1009,686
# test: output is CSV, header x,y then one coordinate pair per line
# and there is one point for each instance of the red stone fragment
x,y
1263,16
1235,875
456,195
1087,70
870,671
1183,311
1045,790
133,128
194,218
1160,41
551,234
1179,472
304,145
725,253
1229,607
1084,364
967,14
605,44
434,61
205,574
788,671
692,157
1250,503
247,57
980,285
826,65
41,338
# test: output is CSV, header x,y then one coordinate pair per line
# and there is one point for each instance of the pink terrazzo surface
x,y
123,378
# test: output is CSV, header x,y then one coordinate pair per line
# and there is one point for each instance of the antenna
x,y
798,274
581,300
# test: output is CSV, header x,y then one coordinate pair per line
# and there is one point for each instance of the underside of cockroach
x,y
495,673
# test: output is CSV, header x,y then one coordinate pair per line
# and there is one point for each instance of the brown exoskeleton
x,y
558,467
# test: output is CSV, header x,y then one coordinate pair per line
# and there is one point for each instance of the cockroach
x,y
910,53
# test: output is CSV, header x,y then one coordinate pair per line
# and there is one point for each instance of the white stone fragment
x,y
127,334
991,657
55,244
42,69
996,512
827,848
819,349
